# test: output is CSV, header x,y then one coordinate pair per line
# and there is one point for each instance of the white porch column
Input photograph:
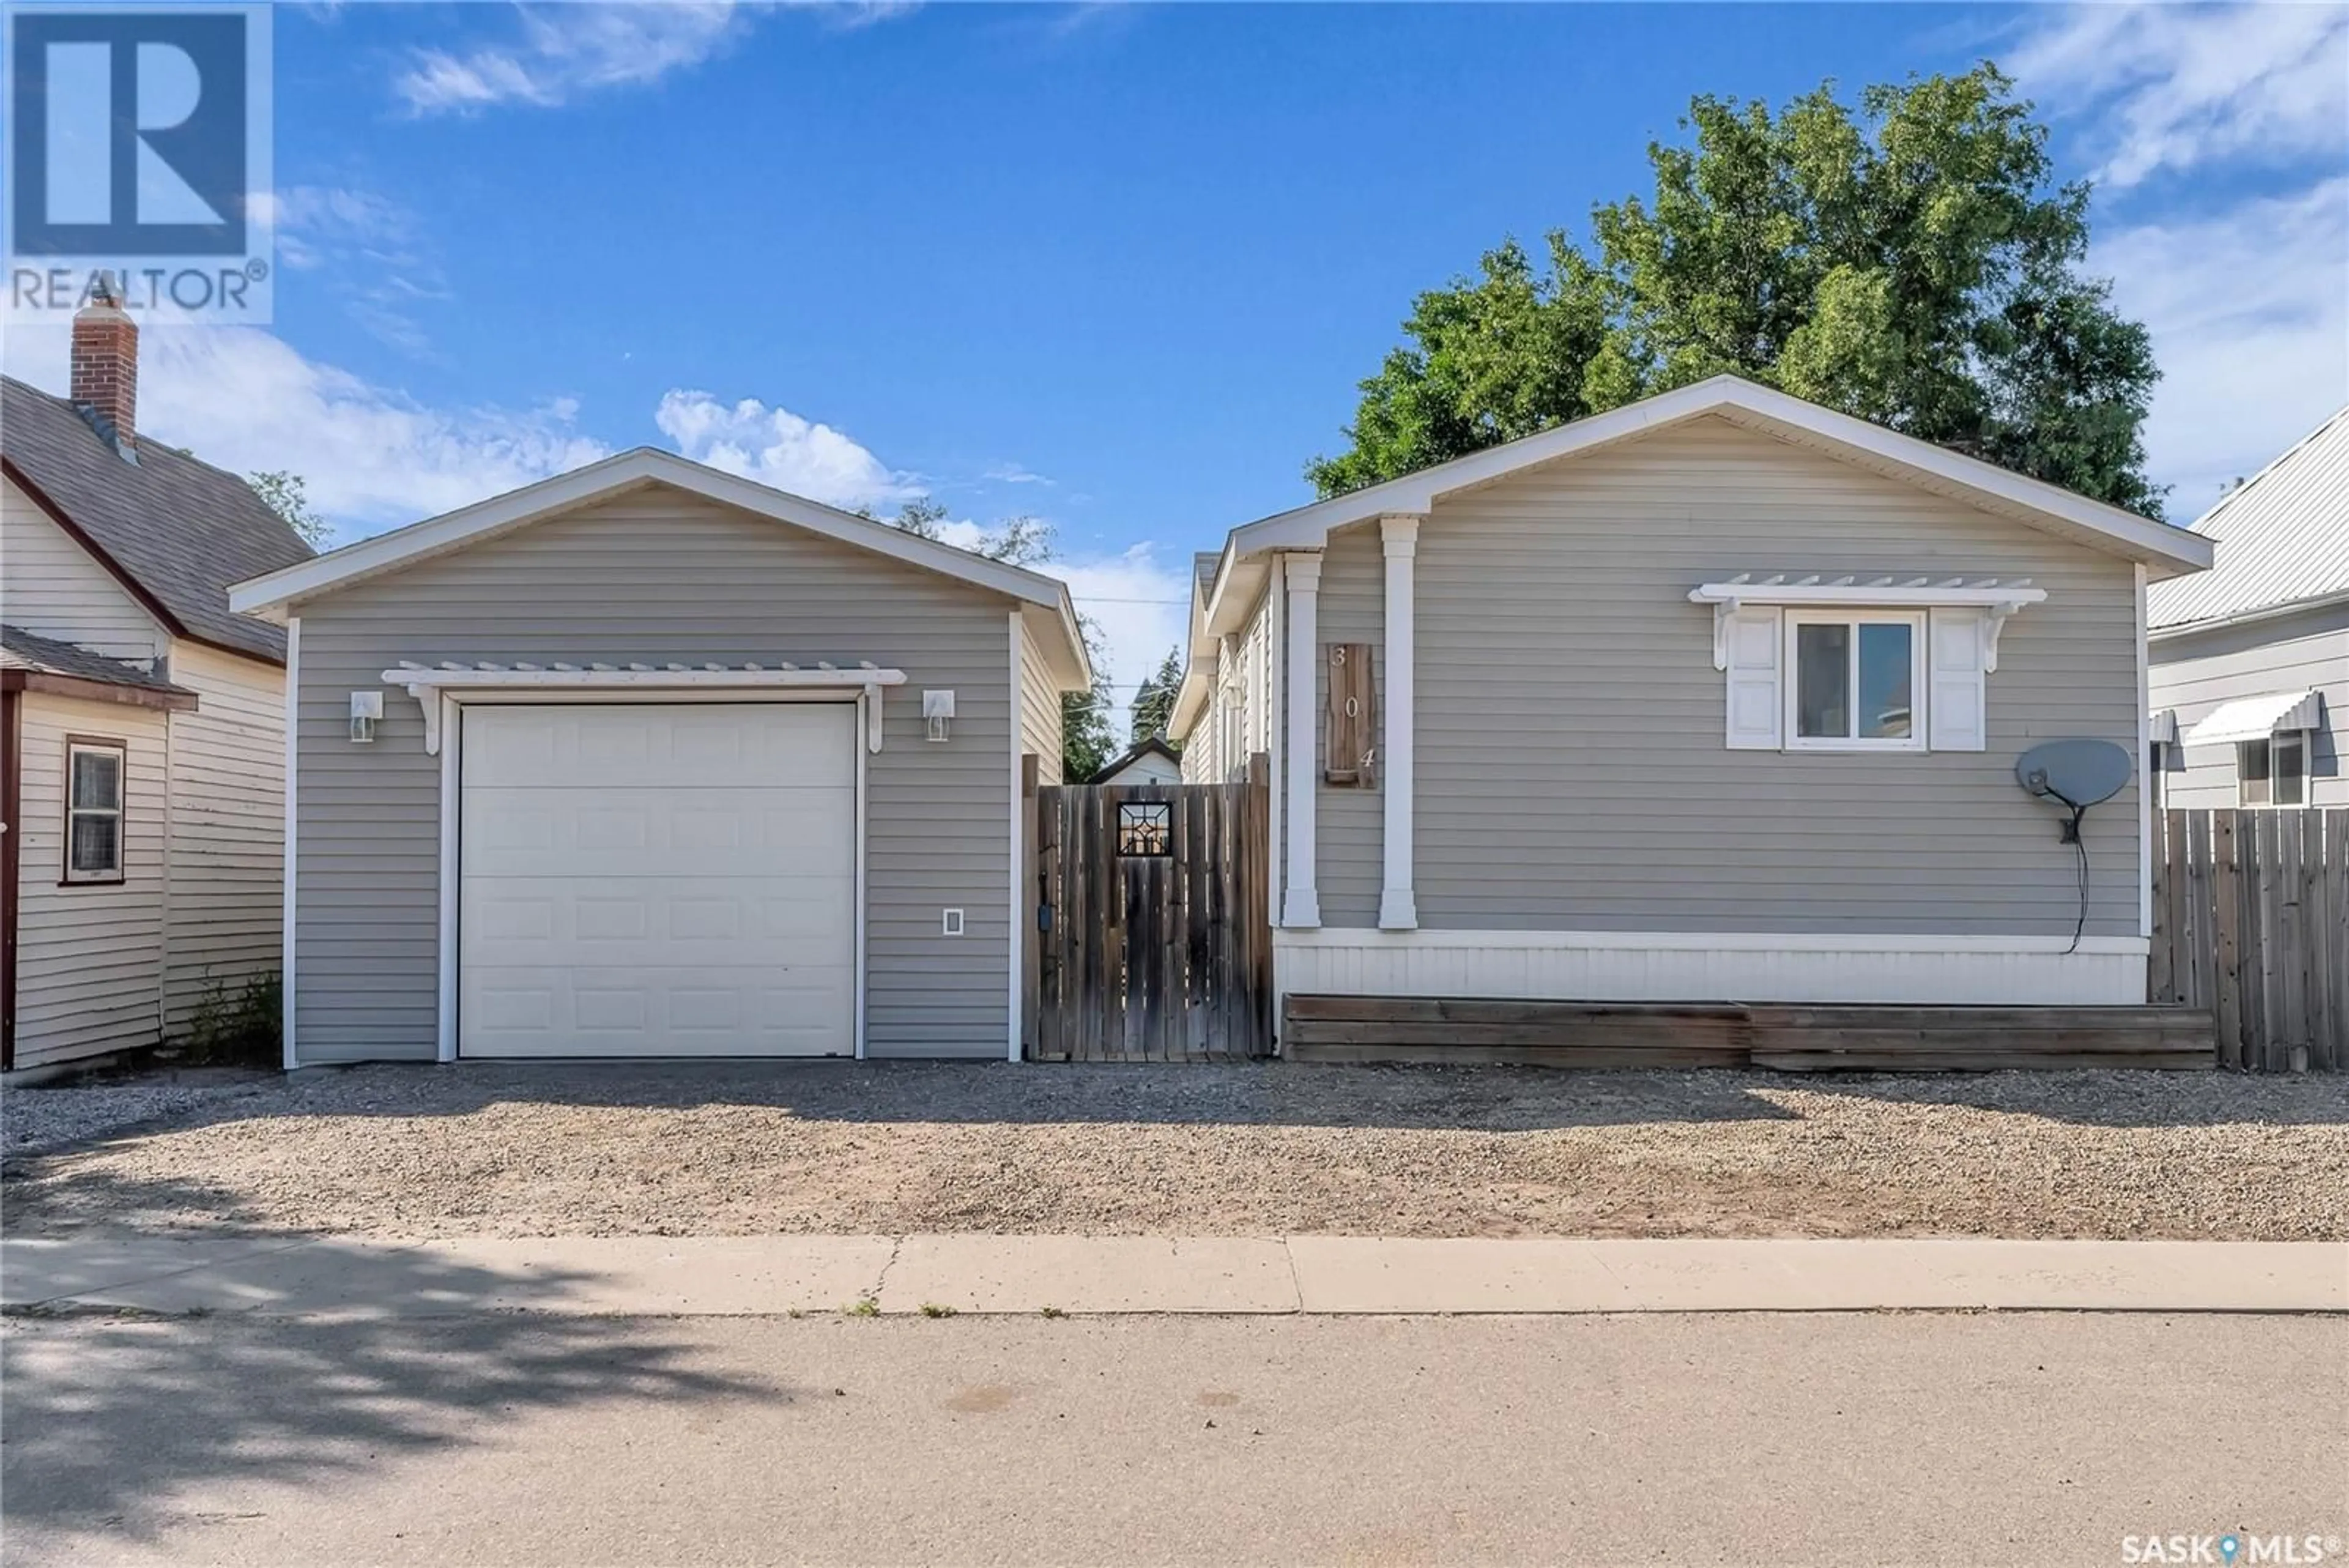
x,y
1398,907
1301,754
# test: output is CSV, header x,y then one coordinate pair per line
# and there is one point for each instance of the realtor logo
x,y
138,146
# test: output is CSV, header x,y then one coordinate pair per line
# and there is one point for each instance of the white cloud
x,y
1014,473
565,51
2176,87
777,447
1141,605
2250,316
369,250
243,400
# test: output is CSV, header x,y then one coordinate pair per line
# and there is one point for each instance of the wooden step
x,y
1793,1037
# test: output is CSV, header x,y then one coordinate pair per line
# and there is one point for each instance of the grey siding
x,y
2195,674
1350,822
1571,768
657,576
1039,711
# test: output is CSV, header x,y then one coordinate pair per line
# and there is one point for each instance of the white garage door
x,y
646,880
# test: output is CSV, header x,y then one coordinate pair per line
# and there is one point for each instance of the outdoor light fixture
x,y
367,710
937,712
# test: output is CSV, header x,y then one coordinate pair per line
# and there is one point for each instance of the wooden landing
x,y
1790,1037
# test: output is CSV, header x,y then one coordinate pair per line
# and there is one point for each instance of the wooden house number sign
x,y
1353,723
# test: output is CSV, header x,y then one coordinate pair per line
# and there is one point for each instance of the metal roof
x,y
180,530
2283,539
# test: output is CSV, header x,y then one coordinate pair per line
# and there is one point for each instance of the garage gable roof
x,y
279,594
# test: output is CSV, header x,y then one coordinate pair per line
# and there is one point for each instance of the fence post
x,y
2226,902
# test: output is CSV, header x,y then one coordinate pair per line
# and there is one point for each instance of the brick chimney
x,y
106,366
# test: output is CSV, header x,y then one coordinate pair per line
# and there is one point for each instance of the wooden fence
x,y
2250,920
1153,939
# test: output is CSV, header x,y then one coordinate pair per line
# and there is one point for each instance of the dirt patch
x,y
1272,1149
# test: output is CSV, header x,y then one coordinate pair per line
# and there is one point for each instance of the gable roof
x,y
2283,539
2166,549
1134,753
281,593
175,530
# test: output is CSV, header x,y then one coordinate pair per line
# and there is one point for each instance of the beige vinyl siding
x,y
52,586
1350,820
1571,767
1238,718
89,956
1039,709
657,576
2194,674
228,827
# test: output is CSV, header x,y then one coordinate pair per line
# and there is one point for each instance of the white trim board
x,y
285,993
1744,966
272,594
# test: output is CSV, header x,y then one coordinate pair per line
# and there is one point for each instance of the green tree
x,y
1154,705
1088,739
283,493
1911,261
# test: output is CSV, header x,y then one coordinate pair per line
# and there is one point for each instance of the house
x,y
647,760
1717,696
143,722
2250,660
1149,761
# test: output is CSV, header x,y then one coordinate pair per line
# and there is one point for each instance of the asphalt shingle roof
x,y
21,650
182,529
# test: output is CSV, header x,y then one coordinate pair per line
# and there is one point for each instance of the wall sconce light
x,y
937,712
366,711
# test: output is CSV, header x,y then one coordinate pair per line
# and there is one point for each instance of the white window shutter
x,y
1754,654
1955,718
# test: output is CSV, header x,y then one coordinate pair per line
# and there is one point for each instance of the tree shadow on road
x,y
118,1425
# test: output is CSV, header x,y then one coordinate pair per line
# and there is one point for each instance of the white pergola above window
x,y
1998,597
1962,617
428,683
2258,717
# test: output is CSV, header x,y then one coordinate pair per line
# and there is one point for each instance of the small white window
x,y
2273,772
94,772
1857,678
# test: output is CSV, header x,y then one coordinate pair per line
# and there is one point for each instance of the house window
x,y
2273,772
94,769
1856,682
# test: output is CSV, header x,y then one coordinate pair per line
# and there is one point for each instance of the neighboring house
x,y
2250,660
143,722
1150,761
648,760
1717,696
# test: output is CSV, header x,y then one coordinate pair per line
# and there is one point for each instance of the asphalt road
x,y
1879,1439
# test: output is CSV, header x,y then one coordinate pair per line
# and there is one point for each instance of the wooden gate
x,y
2250,920
1152,936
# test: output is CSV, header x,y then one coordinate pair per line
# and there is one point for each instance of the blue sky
x,y
1118,267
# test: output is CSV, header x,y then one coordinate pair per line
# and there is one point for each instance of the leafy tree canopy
x,y
1910,261
283,493
1154,705
1088,740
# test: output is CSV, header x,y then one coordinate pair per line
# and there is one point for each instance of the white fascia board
x,y
2170,550
269,595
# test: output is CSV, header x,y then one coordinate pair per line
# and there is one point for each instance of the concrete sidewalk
x,y
758,1275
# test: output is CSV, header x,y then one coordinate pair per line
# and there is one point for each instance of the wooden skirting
x,y
1790,1037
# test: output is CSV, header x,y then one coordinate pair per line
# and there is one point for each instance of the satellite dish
x,y
2078,773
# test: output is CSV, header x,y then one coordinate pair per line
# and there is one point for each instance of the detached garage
x,y
651,761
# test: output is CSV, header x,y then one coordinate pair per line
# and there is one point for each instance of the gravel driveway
x,y
726,1149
